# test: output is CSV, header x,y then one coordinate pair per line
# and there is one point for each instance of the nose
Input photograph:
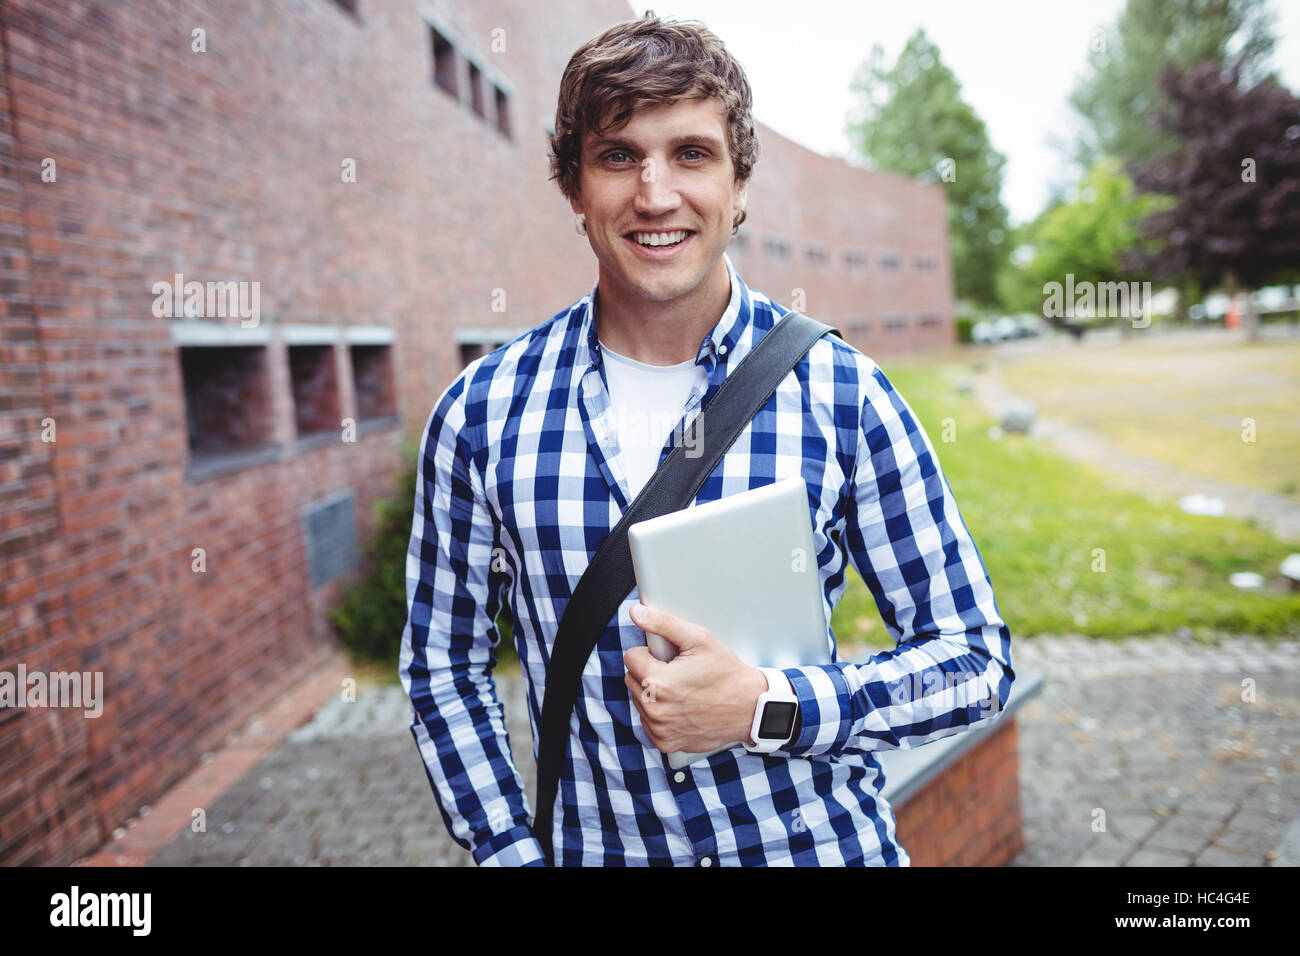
x,y
655,193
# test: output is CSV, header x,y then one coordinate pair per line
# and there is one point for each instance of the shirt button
x,y
722,350
707,861
679,777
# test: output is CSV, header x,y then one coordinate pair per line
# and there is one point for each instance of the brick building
x,y
185,478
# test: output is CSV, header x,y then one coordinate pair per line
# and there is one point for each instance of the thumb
x,y
681,634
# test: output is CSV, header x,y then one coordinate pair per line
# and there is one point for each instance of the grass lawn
x,y
1042,523
1181,402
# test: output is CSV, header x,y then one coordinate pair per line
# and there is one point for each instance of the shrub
x,y
372,613
370,618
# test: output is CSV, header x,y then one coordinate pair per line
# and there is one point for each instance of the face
x,y
668,170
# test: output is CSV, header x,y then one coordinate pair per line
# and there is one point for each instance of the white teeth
x,y
659,238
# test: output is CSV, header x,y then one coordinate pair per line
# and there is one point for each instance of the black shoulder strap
x,y
610,577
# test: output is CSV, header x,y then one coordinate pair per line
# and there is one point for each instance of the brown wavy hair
x,y
647,62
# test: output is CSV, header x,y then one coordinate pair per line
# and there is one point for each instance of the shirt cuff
x,y
825,710
514,847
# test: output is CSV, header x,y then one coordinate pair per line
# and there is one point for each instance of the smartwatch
x,y
774,717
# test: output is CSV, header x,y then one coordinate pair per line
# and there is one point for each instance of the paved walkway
x,y
1144,752
1153,733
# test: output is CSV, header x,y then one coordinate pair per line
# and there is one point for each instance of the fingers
x,y
641,695
681,633
634,691
640,663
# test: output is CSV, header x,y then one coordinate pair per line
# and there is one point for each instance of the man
x,y
530,458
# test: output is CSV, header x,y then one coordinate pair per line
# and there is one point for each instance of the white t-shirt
x,y
646,403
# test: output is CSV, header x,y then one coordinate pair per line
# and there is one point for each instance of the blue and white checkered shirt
x,y
519,482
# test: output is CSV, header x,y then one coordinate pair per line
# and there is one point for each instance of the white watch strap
x,y
778,683
780,689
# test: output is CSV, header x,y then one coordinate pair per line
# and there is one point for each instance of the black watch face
x,y
778,720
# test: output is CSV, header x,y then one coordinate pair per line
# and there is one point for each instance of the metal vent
x,y
331,529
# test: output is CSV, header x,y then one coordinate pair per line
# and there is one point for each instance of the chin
x,y
666,291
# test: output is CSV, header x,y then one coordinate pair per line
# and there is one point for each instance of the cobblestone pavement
x,y
1146,753
346,789
1151,739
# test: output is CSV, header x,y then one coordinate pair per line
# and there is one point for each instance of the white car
x,y
1006,328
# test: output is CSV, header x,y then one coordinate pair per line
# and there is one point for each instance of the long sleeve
x,y
951,669
453,587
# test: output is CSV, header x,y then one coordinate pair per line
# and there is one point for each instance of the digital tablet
x,y
744,568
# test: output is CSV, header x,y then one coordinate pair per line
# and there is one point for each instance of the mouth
x,y
660,245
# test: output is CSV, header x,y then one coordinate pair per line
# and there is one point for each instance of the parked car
x,y
1029,325
988,331
1006,328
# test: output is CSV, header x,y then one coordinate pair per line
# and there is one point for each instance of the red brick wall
x,y
46,797
226,166
808,198
970,814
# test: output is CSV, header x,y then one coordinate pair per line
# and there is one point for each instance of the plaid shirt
x,y
519,482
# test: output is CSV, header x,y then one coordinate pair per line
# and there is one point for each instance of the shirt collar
x,y
718,344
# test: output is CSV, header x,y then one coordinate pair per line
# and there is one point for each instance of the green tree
x,y
1017,289
1089,235
912,120
1120,95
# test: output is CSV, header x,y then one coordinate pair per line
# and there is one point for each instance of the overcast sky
x,y
1017,61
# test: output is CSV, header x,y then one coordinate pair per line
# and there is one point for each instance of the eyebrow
x,y
677,141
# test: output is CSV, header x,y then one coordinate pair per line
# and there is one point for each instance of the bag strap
x,y
610,577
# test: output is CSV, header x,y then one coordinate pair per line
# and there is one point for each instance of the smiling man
x,y
658,201
531,456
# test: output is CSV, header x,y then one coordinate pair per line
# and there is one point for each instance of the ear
x,y
740,196
576,205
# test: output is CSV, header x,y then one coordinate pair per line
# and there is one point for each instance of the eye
x,y
693,150
616,152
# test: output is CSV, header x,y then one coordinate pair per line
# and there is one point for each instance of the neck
x,y
659,333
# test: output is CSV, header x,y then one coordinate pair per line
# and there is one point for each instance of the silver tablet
x,y
744,568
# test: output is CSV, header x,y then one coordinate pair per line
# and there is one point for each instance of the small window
x,y
816,255
372,371
929,320
469,351
924,263
888,261
315,388
227,399
444,63
503,112
895,323
776,248
855,259
476,90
